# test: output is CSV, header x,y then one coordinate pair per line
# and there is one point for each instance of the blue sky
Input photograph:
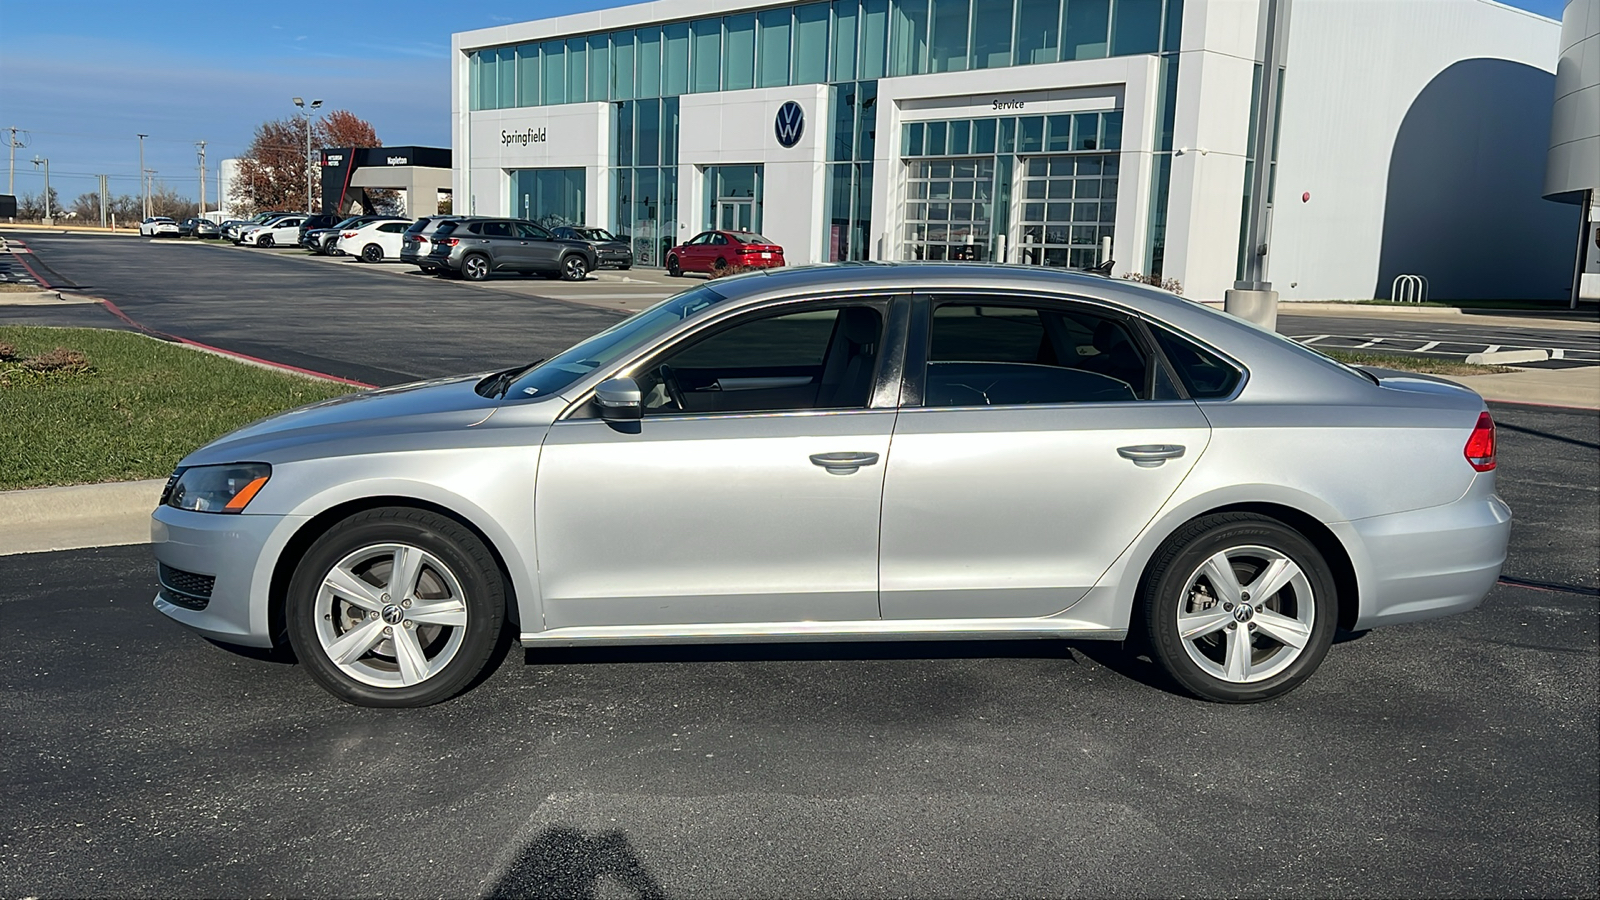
x,y
82,78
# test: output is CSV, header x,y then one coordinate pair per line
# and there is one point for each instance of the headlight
x,y
219,489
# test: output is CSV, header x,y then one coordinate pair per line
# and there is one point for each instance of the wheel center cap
x,y
392,614
1243,612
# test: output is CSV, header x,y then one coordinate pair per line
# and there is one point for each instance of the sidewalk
x,y
1576,387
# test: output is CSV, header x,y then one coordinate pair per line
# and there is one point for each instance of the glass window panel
x,y
646,213
1008,135
475,80
1088,189
1108,212
961,211
914,139
649,153
811,43
845,16
874,38
1083,234
908,49
1087,131
577,69
669,131
1033,212
1084,212
1108,188
963,169
866,120
1173,33
528,75
1084,36
1061,165
960,136
843,100
963,190
553,86
936,138
622,204
1089,165
599,66
938,212
1059,189
508,77
706,55
1039,167
1058,212
1034,189
739,52
1111,131
772,59
991,33
947,45
1137,27
622,65
1109,164
1058,134
648,62
1038,30
859,244
624,133
674,59
1031,139
983,133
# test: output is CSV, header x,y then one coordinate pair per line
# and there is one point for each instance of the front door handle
x,y
845,463
1148,456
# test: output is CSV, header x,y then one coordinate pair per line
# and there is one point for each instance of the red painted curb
x,y
36,276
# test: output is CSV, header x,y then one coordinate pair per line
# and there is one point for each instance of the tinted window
x,y
445,228
495,229
392,227
745,237
1206,375
1001,355
532,232
719,239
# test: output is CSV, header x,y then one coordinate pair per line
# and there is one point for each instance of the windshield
x,y
595,234
562,370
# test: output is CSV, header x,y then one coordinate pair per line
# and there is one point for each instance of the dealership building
x,y
1409,136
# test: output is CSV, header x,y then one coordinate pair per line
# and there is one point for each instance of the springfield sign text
x,y
524,137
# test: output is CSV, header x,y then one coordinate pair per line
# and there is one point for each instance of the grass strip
x,y
1426,365
143,405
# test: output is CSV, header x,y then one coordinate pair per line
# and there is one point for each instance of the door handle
x,y
845,463
1148,456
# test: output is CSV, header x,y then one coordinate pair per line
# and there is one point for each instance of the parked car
x,y
374,241
159,226
206,229
476,247
710,251
417,242
282,230
186,227
608,248
239,225
321,241
320,220
907,451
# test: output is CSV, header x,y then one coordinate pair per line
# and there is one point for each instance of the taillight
x,y
1480,447
348,234
448,242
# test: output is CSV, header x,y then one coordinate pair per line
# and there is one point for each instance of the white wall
x,y
738,128
1355,70
572,135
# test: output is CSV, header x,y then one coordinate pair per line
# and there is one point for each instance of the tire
x,y
574,268
720,266
339,599
475,267
1301,606
372,253
673,268
266,240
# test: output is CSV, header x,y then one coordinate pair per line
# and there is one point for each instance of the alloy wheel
x,y
1246,614
391,615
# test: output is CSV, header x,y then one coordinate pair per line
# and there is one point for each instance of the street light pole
x,y
308,112
201,212
144,194
36,162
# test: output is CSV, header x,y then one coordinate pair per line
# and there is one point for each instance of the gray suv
x,y
475,247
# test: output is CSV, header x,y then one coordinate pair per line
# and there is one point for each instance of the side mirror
x,y
619,400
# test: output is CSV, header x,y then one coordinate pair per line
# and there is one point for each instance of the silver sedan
x,y
855,452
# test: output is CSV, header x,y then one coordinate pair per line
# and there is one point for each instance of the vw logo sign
x,y
790,125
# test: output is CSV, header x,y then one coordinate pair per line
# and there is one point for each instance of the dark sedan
x,y
611,250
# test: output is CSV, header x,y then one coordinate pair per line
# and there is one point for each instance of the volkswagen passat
x,y
851,452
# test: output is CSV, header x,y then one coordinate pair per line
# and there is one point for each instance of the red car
x,y
709,251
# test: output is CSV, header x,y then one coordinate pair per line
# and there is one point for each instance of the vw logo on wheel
x,y
392,614
791,124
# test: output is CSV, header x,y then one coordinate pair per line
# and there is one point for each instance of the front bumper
x,y
1431,562
239,551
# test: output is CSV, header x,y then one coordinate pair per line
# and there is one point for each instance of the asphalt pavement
x,y
1567,347
1444,758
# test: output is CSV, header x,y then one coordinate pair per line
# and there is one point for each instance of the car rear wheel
x,y
266,240
372,253
475,267
396,607
672,267
574,268
1239,608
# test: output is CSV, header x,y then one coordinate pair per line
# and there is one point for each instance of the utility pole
x,y
149,189
12,143
37,161
144,195
202,148
103,179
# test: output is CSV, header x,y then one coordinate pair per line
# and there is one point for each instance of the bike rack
x,y
1409,289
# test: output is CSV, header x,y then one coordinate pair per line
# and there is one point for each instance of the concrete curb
x,y
1507,357
71,518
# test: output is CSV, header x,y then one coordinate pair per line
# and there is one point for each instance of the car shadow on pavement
x,y
566,862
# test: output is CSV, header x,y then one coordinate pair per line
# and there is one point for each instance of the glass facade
x,y
847,44
733,198
550,197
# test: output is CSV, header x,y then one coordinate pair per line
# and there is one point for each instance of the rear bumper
x,y
1430,562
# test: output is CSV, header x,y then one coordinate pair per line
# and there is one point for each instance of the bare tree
x,y
31,207
164,201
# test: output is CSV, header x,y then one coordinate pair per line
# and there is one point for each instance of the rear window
x,y
446,227
1204,374
748,237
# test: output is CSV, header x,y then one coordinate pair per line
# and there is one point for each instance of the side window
x,y
531,232
699,239
719,239
393,227
811,359
1206,375
983,354
496,229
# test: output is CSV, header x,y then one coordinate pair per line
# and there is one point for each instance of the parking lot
x,y
1442,758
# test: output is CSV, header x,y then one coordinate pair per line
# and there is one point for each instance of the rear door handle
x,y
845,463
1148,456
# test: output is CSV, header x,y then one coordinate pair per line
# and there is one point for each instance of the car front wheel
x,y
396,607
574,268
266,240
673,268
1239,608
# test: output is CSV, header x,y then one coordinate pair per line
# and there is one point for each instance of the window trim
x,y
920,344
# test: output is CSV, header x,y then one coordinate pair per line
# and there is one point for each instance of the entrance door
x,y
736,215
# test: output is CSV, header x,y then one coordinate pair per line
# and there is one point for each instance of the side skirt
x,y
870,630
